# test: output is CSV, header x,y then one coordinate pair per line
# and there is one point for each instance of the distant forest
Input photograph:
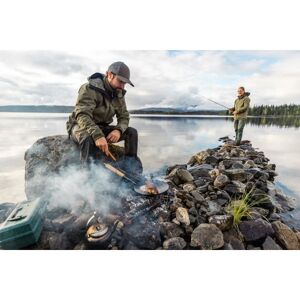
x,y
272,110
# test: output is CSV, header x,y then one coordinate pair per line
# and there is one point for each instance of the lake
x,y
163,140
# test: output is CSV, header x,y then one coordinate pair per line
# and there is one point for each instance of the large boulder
x,y
49,156
207,237
286,236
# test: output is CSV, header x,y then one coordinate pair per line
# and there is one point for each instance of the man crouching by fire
x,y
99,100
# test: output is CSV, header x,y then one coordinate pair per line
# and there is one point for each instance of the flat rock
x,y
207,236
285,236
184,176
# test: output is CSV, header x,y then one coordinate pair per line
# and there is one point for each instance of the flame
x,y
151,188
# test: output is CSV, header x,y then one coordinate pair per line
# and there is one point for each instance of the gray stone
x,y
223,222
197,196
59,242
236,174
221,181
285,236
256,231
184,176
240,187
237,165
175,243
207,236
170,230
250,164
144,236
270,244
213,208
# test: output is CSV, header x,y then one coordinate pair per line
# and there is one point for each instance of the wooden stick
x,y
111,155
113,169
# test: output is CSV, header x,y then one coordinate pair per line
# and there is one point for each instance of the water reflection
x,y
162,141
282,122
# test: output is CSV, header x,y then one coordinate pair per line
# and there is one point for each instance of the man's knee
x,y
131,131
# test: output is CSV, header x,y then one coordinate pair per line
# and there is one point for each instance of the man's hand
x,y
114,136
235,113
102,145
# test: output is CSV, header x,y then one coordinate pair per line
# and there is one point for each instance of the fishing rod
x,y
215,102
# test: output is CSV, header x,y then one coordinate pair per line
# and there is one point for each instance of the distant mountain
x,y
192,110
148,110
37,108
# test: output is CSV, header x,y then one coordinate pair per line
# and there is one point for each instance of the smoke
x,y
79,189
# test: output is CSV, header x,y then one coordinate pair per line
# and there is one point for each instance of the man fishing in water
x,y
240,112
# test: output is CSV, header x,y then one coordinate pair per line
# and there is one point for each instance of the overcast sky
x,y
161,78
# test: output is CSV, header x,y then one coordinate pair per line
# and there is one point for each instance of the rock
x,y
144,236
237,165
184,176
5,210
232,237
80,246
256,231
251,247
285,236
250,164
270,244
182,216
211,160
201,171
188,187
197,196
225,164
200,182
203,189
274,217
221,181
213,208
286,203
223,222
231,189
236,174
175,243
240,187
59,242
207,236
61,222
257,213
170,230
214,173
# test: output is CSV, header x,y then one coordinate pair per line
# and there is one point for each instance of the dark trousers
x,y
88,148
239,128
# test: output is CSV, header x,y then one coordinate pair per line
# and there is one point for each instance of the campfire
x,y
149,188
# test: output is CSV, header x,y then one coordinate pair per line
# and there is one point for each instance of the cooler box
x,y
23,226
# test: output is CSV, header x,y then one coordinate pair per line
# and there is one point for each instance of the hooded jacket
x,y
241,106
97,104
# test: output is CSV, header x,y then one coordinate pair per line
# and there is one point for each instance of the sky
x,y
162,78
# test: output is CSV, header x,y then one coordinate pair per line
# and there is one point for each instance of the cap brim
x,y
125,80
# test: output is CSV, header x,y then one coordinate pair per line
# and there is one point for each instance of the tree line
x,y
272,110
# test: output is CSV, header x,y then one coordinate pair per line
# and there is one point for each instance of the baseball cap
x,y
121,71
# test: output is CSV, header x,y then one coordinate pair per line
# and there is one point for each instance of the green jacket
x,y
241,106
96,105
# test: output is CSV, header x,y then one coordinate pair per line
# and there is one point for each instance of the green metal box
x,y
23,226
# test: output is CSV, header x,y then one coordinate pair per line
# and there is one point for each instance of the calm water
x,y
163,141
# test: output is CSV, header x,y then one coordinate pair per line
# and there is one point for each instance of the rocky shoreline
x,y
223,198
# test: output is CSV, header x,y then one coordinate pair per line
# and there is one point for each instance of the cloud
x,y
161,78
